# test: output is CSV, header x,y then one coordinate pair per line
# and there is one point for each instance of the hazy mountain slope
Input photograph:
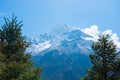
x,y
62,56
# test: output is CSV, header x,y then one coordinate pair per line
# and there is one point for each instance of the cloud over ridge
x,y
94,32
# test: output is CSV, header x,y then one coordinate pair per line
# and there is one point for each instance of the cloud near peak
x,y
94,32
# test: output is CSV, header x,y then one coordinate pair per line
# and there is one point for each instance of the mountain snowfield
x,y
52,40
63,53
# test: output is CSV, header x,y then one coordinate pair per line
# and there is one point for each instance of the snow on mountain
x,y
36,48
63,53
66,37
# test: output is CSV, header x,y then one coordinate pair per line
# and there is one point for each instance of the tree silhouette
x,y
15,63
104,60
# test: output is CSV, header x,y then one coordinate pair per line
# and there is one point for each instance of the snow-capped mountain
x,y
63,53
69,35
65,41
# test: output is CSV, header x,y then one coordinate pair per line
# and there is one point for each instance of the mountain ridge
x,y
63,55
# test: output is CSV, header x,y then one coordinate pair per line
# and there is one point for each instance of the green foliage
x,y
105,65
118,69
15,64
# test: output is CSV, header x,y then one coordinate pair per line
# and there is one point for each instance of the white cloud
x,y
92,31
115,39
89,38
107,32
36,48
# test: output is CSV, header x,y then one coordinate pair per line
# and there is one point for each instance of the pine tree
x,y
104,61
15,63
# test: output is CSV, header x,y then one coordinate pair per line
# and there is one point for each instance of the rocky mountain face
x,y
62,55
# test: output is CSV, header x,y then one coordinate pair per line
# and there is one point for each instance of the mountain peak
x,y
63,40
68,38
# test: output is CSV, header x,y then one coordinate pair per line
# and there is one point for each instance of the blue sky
x,y
41,16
